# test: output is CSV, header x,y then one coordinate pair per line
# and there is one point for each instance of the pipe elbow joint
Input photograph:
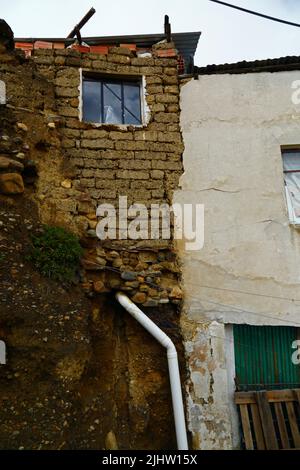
x,y
171,351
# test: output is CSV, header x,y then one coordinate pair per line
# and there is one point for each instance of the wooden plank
x,y
280,395
280,399
273,396
257,428
293,424
266,420
246,427
296,393
243,398
282,426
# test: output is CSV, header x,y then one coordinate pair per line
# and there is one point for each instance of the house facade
x,y
81,127
241,310
122,116
115,106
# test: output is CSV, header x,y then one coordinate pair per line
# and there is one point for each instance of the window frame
x,y
119,79
293,219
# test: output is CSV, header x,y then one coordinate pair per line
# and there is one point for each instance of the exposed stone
x,y
114,282
66,92
139,298
8,163
151,303
113,254
68,111
95,314
20,155
92,233
129,276
67,184
133,284
176,293
147,257
67,81
101,261
143,287
117,263
100,252
22,126
11,183
111,441
99,287
92,224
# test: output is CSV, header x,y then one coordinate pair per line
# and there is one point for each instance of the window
x,y
110,101
291,170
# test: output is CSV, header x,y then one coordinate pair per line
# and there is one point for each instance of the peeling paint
x,y
248,271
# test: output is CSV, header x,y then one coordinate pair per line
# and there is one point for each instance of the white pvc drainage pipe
x,y
163,339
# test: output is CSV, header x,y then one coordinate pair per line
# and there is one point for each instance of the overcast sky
x,y
227,35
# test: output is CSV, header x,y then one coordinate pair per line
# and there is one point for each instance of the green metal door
x,y
263,357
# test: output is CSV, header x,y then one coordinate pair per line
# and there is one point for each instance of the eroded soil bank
x,y
76,368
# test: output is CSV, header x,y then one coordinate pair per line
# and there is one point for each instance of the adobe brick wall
x,y
101,163
123,384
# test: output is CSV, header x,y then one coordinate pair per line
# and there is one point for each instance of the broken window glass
x,y
91,101
111,101
132,108
291,169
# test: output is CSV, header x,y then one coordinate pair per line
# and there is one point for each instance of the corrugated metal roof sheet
x,y
263,357
269,65
186,43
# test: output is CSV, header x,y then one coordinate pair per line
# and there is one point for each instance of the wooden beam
x,y
259,436
246,427
266,420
